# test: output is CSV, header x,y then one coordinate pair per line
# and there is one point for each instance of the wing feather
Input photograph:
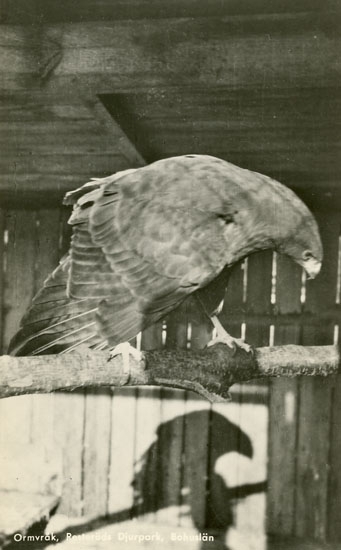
x,y
143,241
55,322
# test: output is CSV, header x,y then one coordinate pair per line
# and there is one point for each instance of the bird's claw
x,y
125,349
243,345
233,343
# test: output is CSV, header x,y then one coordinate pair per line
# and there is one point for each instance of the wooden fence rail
x,y
121,449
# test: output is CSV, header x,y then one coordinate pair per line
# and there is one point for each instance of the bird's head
x,y
303,245
311,265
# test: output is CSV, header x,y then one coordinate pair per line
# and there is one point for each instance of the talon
x,y
230,342
125,349
224,337
243,345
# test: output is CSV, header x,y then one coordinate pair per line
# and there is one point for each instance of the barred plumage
x,y
144,240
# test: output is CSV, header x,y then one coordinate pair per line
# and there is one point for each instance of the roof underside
x,y
253,82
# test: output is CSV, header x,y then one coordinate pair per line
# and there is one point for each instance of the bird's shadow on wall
x,y
208,500
151,486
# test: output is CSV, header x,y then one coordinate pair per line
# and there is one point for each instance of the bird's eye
x,y
307,255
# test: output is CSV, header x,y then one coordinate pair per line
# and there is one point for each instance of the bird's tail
x,y
55,323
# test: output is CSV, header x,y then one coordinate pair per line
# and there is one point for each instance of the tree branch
x,y
209,372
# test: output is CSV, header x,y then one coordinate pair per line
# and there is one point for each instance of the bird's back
x,y
143,241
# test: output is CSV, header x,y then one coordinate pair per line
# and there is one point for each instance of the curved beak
x,y
312,267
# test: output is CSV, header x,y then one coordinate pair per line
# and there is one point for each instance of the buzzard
x,y
144,240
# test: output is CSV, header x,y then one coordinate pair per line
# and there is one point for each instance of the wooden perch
x,y
209,372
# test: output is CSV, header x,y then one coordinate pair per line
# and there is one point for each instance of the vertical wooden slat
x,y
201,329
148,413
284,408
312,462
97,439
195,475
250,512
196,437
16,413
223,434
122,452
234,299
224,446
152,337
69,411
222,466
97,428
2,275
334,516
65,231
69,439
47,244
171,431
259,283
176,324
253,411
234,302
20,271
47,255
170,456
315,397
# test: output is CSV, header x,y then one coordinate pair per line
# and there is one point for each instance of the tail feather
x,y
85,300
65,335
54,322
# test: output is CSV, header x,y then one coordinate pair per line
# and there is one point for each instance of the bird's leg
x,y
125,349
223,337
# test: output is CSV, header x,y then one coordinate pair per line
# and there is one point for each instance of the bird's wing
x,y
142,242
159,246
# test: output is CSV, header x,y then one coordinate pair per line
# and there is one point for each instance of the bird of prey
x,y
146,239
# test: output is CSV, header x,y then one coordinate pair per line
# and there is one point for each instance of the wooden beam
x,y
35,11
209,372
52,145
288,134
119,139
276,50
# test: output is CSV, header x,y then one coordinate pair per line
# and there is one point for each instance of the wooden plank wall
x,y
51,143
168,455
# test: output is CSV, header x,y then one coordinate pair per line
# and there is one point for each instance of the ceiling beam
x,y
51,146
112,129
24,12
237,52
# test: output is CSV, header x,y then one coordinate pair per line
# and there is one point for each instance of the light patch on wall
x,y
336,334
243,331
4,257
189,336
138,341
338,282
232,463
244,267
272,335
289,407
164,333
273,278
303,287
